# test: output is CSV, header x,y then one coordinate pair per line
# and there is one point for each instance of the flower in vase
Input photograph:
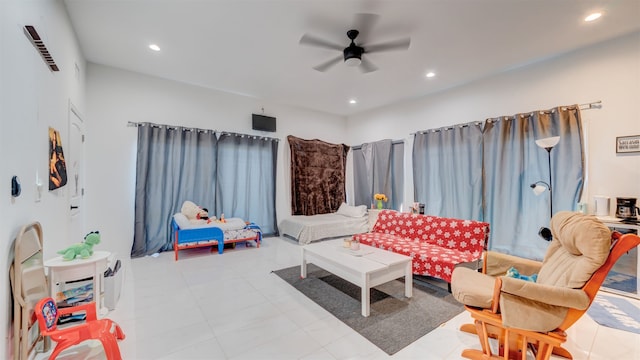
x,y
380,197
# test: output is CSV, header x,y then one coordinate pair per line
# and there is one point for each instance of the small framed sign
x,y
627,144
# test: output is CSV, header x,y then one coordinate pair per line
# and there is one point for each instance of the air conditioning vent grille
x,y
33,35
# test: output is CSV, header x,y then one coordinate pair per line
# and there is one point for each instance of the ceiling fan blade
x,y
327,64
366,66
314,41
400,44
364,23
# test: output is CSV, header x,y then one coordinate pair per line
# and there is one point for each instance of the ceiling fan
x,y
352,55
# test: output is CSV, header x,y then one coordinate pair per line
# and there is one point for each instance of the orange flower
x,y
380,197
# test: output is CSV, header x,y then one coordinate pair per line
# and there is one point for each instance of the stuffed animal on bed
x,y
203,214
83,249
514,273
196,214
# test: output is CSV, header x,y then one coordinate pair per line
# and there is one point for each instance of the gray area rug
x,y
615,312
395,321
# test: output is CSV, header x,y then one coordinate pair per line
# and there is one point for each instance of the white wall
x,y
116,97
609,72
32,98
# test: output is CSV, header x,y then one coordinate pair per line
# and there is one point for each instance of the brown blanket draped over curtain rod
x,y
317,176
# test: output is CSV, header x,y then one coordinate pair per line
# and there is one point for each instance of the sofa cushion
x,y
427,258
464,235
435,244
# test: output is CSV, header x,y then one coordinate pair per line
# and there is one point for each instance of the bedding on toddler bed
x,y
348,220
229,224
233,228
189,235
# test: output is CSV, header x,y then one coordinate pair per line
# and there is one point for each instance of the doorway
x,y
75,173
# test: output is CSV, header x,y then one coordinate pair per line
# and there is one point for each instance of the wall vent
x,y
33,35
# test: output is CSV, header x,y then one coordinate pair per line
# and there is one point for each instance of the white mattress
x,y
306,229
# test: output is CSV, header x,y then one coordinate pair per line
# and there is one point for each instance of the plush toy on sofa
x,y
514,273
196,214
83,249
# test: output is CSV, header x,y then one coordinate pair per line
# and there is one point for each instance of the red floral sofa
x,y
436,244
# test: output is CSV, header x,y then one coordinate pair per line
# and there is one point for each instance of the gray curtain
x,y
234,175
447,171
397,177
362,194
378,168
513,161
174,164
246,183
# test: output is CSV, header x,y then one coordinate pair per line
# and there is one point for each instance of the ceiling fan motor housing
x,y
353,52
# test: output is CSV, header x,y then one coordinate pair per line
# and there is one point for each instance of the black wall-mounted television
x,y
263,123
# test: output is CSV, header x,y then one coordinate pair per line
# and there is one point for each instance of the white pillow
x,y
352,211
182,221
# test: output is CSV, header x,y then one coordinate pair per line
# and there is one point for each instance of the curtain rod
x,y
585,106
249,136
393,142
186,128
591,105
136,124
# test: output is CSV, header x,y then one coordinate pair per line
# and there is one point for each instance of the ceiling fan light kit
x,y
353,61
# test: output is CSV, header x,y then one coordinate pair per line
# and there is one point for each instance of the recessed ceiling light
x,y
430,74
154,47
352,101
593,16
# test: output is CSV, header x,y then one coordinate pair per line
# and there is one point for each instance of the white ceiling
x,y
250,47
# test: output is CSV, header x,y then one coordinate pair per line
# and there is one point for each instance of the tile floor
x,y
230,306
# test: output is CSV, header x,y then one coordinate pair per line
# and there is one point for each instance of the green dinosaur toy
x,y
83,249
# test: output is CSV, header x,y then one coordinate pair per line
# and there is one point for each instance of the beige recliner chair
x,y
525,315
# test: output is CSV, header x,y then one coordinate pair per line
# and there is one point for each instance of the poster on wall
x,y
57,166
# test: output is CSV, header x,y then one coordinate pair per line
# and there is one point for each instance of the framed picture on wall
x,y
627,144
57,165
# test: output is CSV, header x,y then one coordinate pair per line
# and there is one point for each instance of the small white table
x,y
366,268
61,271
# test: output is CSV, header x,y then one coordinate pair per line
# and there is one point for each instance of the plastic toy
x,y
83,249
514,273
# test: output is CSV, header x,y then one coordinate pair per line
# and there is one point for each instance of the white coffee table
x,y
366,268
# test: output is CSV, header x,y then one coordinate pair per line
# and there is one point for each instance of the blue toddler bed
x,y
189,236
